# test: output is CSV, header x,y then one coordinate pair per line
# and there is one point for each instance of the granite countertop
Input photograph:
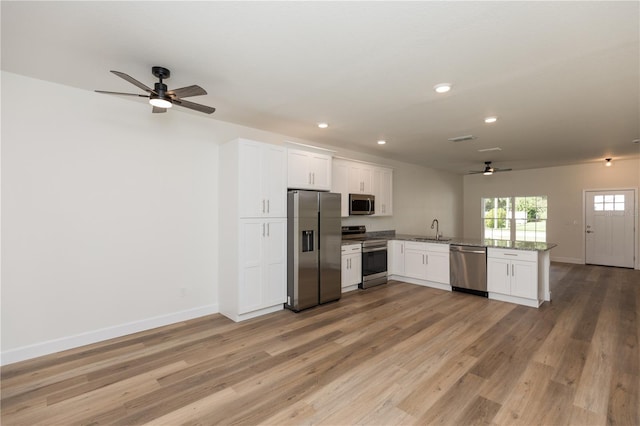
x,y
515,245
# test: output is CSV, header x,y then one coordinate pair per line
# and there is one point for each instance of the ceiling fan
x,y
159,97
488,169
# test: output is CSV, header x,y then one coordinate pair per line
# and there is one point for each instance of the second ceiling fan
x,y
488,170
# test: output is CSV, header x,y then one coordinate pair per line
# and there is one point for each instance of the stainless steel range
x,y
374,255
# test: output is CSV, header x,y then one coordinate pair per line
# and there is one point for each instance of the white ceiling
x,y
563,77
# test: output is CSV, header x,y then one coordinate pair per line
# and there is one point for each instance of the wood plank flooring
x,y
395,354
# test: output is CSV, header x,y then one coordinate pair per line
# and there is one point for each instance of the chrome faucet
x,y
437,228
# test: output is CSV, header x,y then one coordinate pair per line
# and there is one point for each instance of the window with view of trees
x,y
515,218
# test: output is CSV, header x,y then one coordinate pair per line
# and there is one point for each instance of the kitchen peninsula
x,y
517,271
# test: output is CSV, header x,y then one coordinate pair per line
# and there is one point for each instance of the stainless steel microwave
x,y
361,204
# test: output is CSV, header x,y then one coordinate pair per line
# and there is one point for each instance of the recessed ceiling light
x,y
442,87
635,141
381,142
489,120
323,125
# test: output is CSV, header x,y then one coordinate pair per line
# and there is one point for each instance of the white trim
x,y
337,157
253,314
287,143
87,338
417,281
532,303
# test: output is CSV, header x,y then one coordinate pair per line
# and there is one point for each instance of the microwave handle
x,y
369,201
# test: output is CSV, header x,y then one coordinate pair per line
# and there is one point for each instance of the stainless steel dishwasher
x,y
468,269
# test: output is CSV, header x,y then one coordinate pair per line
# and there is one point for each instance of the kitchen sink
x,y
422,239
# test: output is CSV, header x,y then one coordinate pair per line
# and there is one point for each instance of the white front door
x,y
610,227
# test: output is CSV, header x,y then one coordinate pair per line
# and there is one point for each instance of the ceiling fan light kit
x,y
607,162
160,97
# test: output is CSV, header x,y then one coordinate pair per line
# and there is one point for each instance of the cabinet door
x,y
360,179
356,268
351,269
382,179
249,185
320,166
396,258
415,265
524,279
438,267
250,283
298,173
498,276
274,287
274,181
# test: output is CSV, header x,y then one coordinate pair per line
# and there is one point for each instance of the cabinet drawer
x,y
498,253
351,248
412,245
437,247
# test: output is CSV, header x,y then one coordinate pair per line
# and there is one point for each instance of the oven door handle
x,y
367,250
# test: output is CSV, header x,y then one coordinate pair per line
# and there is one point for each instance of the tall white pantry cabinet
x,y
253,227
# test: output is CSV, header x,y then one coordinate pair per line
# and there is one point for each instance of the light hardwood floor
x,y
395,354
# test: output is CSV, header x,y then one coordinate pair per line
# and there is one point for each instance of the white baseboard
x,y
70,342
567,260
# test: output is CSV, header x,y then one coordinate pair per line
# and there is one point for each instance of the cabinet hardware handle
x,y
507,269
268,229
510,254
268,208
263,229
263,205
401,248
427,257
313,180
513,272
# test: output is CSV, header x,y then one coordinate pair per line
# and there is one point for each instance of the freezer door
x,y
302,250
330,247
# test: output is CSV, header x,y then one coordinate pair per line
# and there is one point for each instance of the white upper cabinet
x,y
353,177
382,189
360,178
308,170
262,180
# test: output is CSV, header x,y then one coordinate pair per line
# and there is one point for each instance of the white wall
x,y
564,188
109,214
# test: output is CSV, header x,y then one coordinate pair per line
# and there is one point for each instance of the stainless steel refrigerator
x,y
314,239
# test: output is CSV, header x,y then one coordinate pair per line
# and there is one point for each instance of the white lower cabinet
x,y
428,263
351,266
512,276
262,264
262,258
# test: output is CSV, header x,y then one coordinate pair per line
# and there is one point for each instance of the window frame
x,y
512,219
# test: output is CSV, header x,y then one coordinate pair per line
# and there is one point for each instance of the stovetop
x,y
359,233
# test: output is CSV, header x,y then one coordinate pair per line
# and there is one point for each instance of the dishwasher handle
x,y
468,249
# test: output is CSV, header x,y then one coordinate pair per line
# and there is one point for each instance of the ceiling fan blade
x,y
185,92
158,110
121,93
133,81
502,170
194,106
